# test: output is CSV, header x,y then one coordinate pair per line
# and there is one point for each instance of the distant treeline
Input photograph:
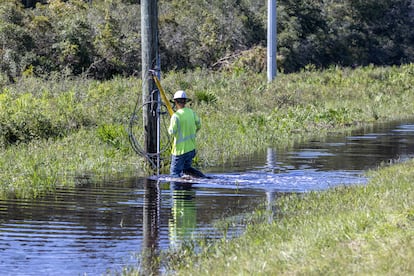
x,y
102,38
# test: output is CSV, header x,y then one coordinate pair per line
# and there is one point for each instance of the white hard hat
x,y
180,94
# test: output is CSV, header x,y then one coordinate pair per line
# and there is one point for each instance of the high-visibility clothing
x,y
183,127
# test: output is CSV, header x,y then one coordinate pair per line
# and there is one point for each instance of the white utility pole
x,y
271,40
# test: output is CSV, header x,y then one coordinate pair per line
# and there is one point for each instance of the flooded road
x,y
99,227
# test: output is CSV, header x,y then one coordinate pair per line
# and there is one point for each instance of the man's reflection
x,y
184,213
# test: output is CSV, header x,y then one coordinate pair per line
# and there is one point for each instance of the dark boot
x,y
195,173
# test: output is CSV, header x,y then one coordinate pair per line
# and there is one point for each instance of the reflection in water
x,y
150,225
181,225
95,227
271,193
184,214
271,160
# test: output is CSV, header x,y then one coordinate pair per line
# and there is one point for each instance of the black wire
x,y
136,146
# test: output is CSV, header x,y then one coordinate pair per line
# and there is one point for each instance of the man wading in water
x,y
183,127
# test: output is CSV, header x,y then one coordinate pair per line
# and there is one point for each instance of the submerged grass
x,y
31,170
362,230
53,130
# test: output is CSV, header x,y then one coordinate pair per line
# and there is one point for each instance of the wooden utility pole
x,y
149,52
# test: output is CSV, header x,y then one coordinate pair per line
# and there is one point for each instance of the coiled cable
x,y
136,131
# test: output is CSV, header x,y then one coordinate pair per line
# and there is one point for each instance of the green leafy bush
x,y
25,117
102,39
114,135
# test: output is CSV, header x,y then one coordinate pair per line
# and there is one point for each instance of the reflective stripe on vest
x,y
180,138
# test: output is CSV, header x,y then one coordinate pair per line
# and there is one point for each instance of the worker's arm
x,y
172,129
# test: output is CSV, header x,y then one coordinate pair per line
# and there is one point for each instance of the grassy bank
x,y
360,230
52,131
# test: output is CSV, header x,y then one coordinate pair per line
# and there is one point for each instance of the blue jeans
x,y
182,162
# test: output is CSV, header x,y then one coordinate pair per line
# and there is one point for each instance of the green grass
x,y
359,230
31,170
248,114
51,131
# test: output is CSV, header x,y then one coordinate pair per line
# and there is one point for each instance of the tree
x,y
16,40
102,38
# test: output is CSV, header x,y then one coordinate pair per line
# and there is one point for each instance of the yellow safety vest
x,y
183,127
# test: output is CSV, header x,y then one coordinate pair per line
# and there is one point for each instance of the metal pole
x,y
271,40
149,44
158,123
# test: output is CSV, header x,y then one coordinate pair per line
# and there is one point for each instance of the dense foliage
x,y
102,38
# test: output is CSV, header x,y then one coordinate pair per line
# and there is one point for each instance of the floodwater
x,y
97,228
